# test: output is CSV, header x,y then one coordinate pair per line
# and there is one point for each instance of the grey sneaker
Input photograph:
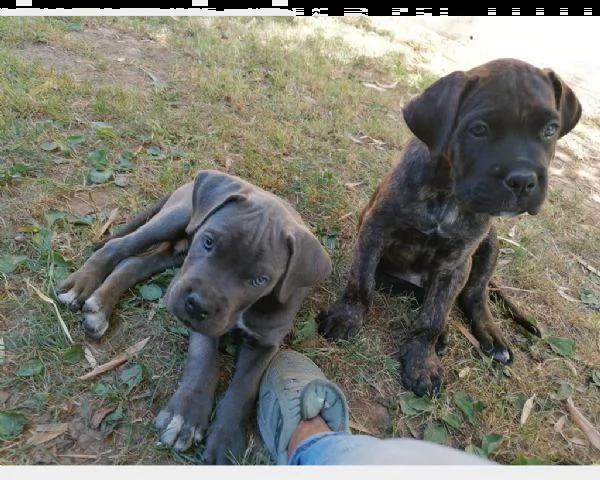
x,y
293,389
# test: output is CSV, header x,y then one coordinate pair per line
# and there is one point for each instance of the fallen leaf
x,y
562,346
469,336
463,372
584,424
561,292
101,415
353,185
578,441
512,231
89,357
118,360
111,219
374,87
560,423
527,408
355,140
46,432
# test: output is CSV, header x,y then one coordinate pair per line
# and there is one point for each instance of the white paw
x,y
67,297
94,319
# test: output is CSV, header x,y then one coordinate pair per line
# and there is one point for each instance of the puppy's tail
x,y
136,222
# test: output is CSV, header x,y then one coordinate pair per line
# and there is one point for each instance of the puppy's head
x,y
245,244
496,126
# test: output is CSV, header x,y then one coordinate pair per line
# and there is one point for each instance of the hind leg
x,y
96,310
167,225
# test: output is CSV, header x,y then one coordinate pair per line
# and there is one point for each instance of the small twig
x,y
53,303
115,362
517,244
111,219
584,424
595,271
513,288
514,311
469,336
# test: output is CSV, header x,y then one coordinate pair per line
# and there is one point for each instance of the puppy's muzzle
x,y
196,307
521,181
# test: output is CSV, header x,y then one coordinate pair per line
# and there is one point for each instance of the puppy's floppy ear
x,y
212,190
431,115
308,263
567,103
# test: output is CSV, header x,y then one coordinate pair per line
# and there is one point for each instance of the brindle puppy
x,y
484,140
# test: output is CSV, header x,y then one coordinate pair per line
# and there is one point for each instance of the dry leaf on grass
x,y
527,408
47,299
584,424
118,360
100,415
560,423
111,219
353,185
595,271
462,329
90,357
566,296
46,432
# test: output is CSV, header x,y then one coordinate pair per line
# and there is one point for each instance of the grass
x,y
139,105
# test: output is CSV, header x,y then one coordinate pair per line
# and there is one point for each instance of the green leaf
x,y
9,263
82,220
43,240
154,151
178,153
41,397
595,278
73,354
150,292
31,367
522,460
101,389
562,346
53,216
596,377
106,132
110,421
474,450
98,158
134,375
468,406
453,420
179,330
75,140
74,26
100,176
564,391
490,443
435,433
50,146
11,424
19,168
306,329
405,406
421,404
588,297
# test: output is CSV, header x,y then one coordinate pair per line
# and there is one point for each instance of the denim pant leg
x,y
341,448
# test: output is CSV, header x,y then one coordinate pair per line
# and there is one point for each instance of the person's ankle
x,y
305,429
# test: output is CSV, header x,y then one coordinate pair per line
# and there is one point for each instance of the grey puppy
x,y
247,261
483,141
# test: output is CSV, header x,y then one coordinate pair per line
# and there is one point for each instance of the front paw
x,y
341,321
420,367
76,288
182,423
94,318
225,443
492,342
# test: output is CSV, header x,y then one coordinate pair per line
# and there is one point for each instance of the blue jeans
x,y
341,448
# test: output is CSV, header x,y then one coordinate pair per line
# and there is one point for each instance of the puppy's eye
x,y
550,130
479,130
259,281
208,243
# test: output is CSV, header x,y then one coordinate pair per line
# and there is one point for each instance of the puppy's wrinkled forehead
x,y
248,229
510,86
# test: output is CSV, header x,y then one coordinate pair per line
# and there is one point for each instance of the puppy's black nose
x,y
194,307
521,180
